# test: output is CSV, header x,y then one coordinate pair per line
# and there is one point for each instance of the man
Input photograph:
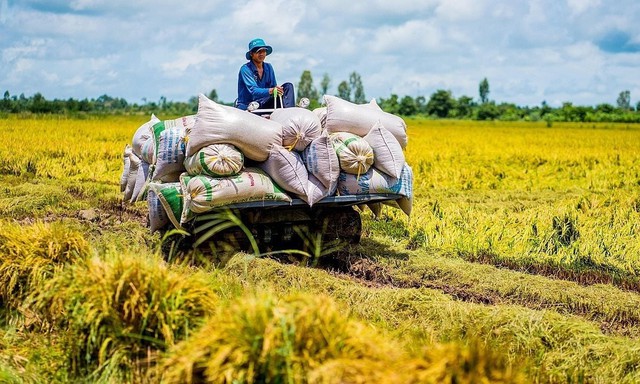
x,y
257,80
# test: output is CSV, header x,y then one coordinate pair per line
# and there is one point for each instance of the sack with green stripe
x,y
165,205
203,193
215,160
143,135
354,153
169,144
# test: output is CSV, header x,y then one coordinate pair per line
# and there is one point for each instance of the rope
x,y
290,147
277,95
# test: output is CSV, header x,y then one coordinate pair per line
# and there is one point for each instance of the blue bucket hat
x,y
254,45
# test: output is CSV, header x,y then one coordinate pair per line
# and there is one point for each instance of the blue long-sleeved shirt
x,y
250,87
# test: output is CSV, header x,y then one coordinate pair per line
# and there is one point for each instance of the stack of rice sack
x,y
359,130
217,144
156,157
223,155
137,159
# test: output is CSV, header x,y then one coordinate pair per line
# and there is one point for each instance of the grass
x,y
519,264
31,255
118,313
564,198
262,338
562,348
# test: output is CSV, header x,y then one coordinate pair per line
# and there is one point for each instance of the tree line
x,y
441,104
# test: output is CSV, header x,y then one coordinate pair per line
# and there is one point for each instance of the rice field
x,y
520,263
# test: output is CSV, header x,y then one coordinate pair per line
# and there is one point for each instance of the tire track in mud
x,y
368,272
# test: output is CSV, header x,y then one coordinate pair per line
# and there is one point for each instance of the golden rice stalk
x,y
31,254
298,339
463,362
121,311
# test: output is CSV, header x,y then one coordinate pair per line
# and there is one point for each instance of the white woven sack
x,y
404,203
149,151
169,144
134,164
354,153
216,123
321,112
185,122
299,127
143,134
387,153
375,181
158,218
322,162
139,188
204,193
287,169
345,116
373,104
316,191
376,209
215,160
165,205
126,162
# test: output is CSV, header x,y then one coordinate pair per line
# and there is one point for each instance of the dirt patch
x,y
584,274
105,217
371,274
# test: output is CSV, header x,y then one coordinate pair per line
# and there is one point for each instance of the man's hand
x,y
278,89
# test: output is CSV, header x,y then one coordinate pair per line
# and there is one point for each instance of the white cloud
x,y
183,60
23,49
461,10
276,17
413,38
529,50
579,6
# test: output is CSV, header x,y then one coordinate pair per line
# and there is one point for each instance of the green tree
x,y
307,89
441,103
421,104
324,84
39,104
407,106
213,95
5,103
545,108
624,100
483,89
344,91
390,105
464,107
487,111
605,108
355,84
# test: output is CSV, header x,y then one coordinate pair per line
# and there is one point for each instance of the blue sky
x,y
582,51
